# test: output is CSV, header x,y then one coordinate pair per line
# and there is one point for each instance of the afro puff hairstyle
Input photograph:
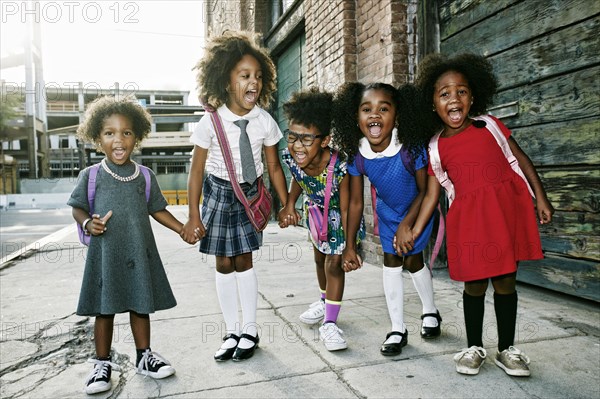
x,y
103,107
310,107
476,69
221,55
413,126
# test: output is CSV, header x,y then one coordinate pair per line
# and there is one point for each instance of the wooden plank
x,y
567,97
457,15
561,143
572,223
517,24
571,276
573,189
564,50
578,246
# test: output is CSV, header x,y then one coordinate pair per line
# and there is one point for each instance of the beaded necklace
x,y
135,174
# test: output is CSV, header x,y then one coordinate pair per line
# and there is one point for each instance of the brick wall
x,y
330,28
382,47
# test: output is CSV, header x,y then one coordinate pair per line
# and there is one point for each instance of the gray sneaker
x,y
469,360
513,362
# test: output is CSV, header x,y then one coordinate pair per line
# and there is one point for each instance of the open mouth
x,y
375,129
455,115
119,153
300,157
251,96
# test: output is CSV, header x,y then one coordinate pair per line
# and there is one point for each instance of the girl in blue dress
x,y
308,157
366,120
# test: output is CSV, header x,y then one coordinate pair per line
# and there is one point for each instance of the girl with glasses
x,y
308,157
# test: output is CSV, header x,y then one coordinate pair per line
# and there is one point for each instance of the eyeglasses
x,y
306,139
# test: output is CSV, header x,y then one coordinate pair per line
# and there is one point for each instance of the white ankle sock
x,y
424,286
227,292
393,287
248,288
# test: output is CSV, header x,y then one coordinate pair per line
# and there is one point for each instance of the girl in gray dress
x,y
123,270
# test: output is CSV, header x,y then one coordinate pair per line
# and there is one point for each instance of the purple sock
x,y
332,309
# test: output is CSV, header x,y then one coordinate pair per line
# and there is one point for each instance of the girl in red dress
x,y
491,223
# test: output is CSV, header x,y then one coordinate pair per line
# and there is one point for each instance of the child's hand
x,y
288,218
351,260
192,231
403,240
97,225
545,210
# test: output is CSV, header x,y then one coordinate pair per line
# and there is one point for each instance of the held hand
x,y
97,225
351,260
287,218
193,231
403,240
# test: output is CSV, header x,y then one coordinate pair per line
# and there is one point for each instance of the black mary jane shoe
x,y
228,354
243,354
394,349
431,332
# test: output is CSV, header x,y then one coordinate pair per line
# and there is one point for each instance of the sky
x,y
138,44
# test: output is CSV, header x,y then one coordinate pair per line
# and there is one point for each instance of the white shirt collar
x,y
227,115
394,148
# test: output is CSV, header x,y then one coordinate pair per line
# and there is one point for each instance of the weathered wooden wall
x,y
546,56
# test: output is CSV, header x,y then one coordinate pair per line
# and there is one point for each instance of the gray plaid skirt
x,y
228,229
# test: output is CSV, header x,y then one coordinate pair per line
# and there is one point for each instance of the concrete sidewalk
x,y
44,345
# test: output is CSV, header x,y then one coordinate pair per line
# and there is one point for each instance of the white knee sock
x,y
248,288
424,285
227,292
393,287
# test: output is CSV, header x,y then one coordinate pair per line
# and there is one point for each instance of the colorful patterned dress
x,y
314,190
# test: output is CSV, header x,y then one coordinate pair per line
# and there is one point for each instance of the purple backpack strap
x,y
91,187
146,172
407,160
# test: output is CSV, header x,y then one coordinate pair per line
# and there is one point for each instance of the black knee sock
x,y
474,307
506,318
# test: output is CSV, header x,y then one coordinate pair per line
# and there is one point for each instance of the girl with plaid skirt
x,y
237,78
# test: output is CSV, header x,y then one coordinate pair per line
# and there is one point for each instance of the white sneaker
x,y
314,314
332,337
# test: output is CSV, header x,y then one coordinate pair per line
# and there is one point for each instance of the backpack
x,y
494,129
91,192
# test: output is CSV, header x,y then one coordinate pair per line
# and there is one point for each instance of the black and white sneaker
x,y
155,366
99,379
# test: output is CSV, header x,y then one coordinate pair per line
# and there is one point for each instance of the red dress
x,y
492,222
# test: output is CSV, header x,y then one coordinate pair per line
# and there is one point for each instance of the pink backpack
x,y
442,175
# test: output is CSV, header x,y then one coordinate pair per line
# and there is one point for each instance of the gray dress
x,y
123,270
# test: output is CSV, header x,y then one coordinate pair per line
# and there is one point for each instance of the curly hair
x,y
413,128
221,55
310,107
105,106
476,69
